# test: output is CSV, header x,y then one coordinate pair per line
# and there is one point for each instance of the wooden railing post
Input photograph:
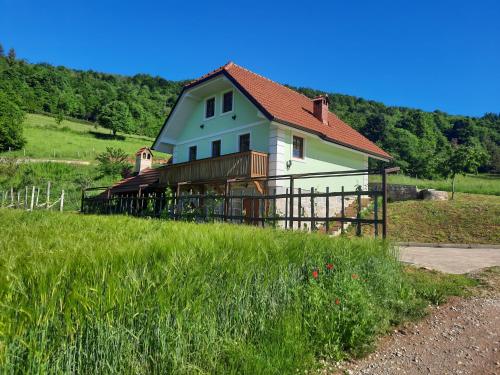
x,y
226,200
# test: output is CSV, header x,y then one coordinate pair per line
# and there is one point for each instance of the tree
x,y
116,117
11,121
465,159
2,51
113,161
11,56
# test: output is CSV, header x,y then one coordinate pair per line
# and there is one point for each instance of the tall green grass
x,y
474,184
88,294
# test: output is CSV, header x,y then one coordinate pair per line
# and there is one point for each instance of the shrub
x,y
113,162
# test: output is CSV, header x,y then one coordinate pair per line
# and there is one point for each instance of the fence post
x,y
274,208
358,214
313,222
342,230
83,197
375,214
226,200
327,204
286,208
62,201
32,198
291,203
384,203
299,209
48,194
37,197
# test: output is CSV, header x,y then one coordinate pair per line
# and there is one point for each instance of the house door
x,y
251,210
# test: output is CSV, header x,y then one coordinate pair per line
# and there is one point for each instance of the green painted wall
x,y
246,114
320,157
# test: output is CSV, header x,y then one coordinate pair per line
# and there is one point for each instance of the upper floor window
x,y
210,108
192,153
227,102
298,147
244,142
216,148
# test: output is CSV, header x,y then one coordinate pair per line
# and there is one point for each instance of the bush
x,y
113,162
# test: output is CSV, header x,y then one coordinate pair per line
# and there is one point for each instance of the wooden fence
x,y
31,198
327,211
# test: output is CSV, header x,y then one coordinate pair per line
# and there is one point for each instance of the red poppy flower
x,y
337,301
354,276
315,274
329,266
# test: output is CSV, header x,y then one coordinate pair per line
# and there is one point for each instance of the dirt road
x,y
461,337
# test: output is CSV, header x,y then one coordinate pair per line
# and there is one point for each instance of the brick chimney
x,y
143,159
320,108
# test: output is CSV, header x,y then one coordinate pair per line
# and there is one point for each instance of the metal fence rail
x,y
291,209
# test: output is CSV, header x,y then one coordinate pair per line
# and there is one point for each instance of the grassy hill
x,y
71,140
90,294
68,141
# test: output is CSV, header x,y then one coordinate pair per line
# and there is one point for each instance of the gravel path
x,y
451,259
461,337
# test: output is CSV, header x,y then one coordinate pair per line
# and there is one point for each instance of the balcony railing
x,y
241,164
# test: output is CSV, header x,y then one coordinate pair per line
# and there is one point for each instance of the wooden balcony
x,y
240,164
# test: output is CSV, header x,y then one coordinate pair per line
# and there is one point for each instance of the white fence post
x,y
62,201
48,194
32,198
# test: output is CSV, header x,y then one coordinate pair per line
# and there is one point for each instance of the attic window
x,y
149,156
210,108
144,155
227,102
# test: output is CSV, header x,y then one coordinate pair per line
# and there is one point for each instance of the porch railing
x,y
241,164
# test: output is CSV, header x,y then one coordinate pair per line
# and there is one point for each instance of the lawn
x,y
90,294
475,184
71,140
468,219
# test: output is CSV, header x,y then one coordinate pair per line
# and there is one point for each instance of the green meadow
x,y
71,140
90,294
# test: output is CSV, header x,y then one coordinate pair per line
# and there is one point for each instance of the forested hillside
x,y
421,142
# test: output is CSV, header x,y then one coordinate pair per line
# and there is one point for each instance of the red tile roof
x,y
148,177
284,105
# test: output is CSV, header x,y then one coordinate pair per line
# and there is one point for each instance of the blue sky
x,y
423,54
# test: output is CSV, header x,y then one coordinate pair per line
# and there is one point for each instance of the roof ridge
x,y
270,80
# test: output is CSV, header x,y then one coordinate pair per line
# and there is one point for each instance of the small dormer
x,y
143,159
